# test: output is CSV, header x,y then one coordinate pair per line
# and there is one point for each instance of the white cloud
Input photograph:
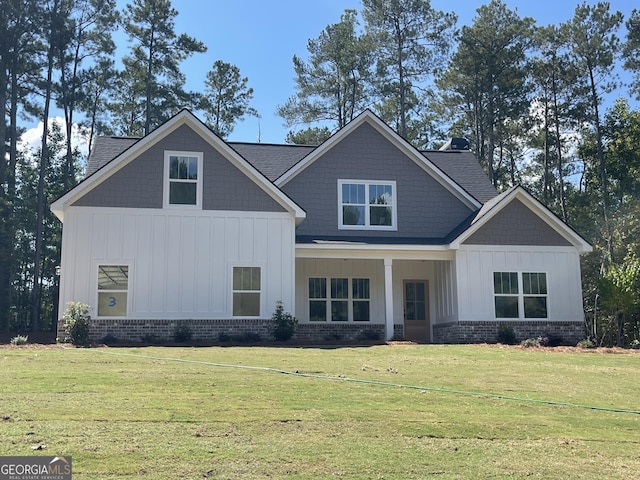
x,y
31,139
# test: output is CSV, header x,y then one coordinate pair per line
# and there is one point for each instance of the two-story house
x,y
363,235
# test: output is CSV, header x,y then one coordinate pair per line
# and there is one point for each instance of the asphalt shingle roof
x,y
273,160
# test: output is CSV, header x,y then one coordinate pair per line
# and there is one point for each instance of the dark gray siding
x,y
515,224
140,183
425,208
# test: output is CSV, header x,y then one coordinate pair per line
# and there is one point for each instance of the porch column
x,y
388,297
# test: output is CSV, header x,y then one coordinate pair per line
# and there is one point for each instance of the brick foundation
x,y
148,331
569,333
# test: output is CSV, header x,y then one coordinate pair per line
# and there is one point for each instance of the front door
x,y
416,310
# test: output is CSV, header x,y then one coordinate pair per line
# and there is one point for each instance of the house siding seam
x,y
425,208
569,333
516,225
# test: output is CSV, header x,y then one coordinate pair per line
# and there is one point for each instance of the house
x,y
361,236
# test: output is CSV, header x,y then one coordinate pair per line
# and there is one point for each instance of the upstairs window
x,y
183,179
367,205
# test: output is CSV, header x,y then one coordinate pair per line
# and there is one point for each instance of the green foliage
x,y
586,343
226,98
530,343
412,42
283,324
76,320
182,332
333,85
109,339
20,340
506,335
309,136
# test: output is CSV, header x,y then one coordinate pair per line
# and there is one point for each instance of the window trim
x,y
167,181
367,226
521,295
328,299
98,291
260,292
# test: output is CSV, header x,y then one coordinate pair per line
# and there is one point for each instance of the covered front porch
x,y
349,290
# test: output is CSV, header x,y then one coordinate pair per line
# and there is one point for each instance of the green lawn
x,y
120,415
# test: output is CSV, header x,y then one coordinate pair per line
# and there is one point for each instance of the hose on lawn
x,y
370,382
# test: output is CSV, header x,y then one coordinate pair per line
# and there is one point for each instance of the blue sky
x,y
261,37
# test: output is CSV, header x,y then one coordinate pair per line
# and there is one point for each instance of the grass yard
x,y
121,415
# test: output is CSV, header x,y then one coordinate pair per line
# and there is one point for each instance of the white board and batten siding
x,y
475,266
180,264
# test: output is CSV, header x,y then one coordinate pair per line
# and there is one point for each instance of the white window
x,y
344,300
246,291
183,179
520,295
113,289
367,205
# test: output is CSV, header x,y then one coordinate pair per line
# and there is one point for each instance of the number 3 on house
x,y
112,301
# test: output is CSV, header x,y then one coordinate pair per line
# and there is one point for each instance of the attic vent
x,y
456,143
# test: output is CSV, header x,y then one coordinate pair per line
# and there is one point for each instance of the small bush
x,y
182,332
151,339
109,339
248,337
283,324
332,337
20,340
369,335
506,335
530,343
76,323
586,343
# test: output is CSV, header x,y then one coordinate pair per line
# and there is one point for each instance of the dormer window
x,y
183,179
367,205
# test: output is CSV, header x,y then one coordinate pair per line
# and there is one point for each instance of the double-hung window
x,y
520,295
339,299
183,179
113,289
246,291
367,205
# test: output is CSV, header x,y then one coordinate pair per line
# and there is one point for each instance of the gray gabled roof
x,y
463,167
105,149
271,160
274,160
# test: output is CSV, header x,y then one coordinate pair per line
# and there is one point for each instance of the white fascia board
x,y
374,252
397,141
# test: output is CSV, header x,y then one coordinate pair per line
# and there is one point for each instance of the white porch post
x,y
388,296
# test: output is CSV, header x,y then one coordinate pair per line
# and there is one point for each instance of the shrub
x,y
76,323
20,340
369,335
182,332
109,339
586,343
530,343
506,335
283,324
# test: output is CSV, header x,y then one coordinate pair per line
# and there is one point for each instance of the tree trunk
x,y
44,154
